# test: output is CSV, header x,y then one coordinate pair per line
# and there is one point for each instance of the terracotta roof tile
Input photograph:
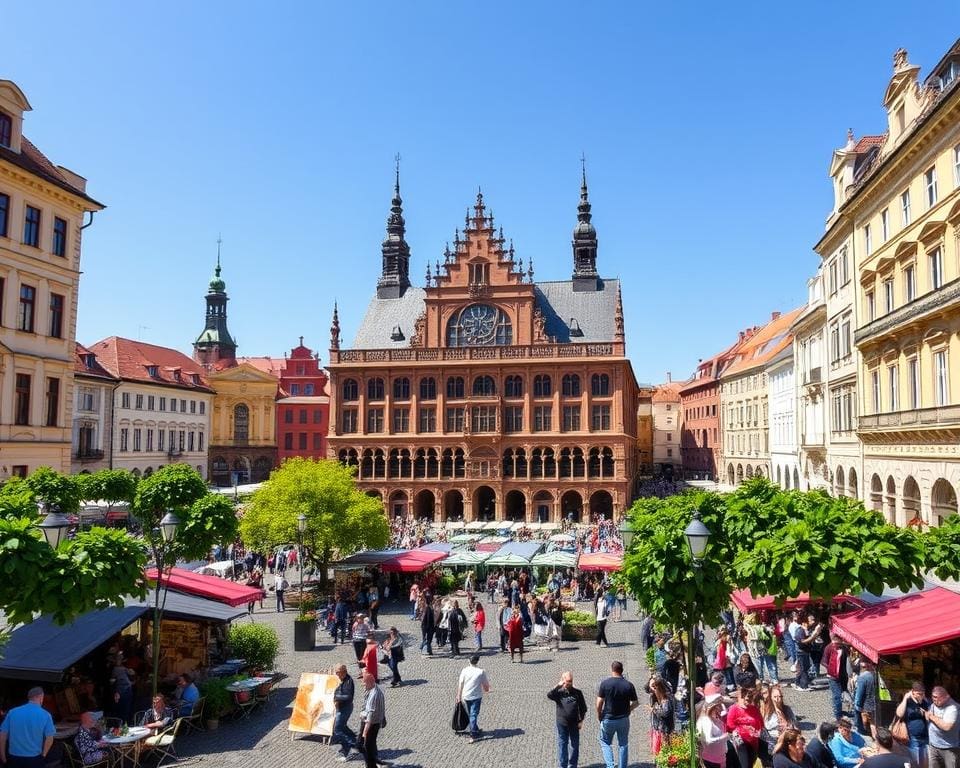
x,y
866,142
763,345
668,392
34,161
272,365
129,360
85,363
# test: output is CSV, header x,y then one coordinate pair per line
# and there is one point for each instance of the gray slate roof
x,y
593,310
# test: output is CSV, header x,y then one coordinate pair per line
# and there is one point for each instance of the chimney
x,y
669,379
742,335
774,316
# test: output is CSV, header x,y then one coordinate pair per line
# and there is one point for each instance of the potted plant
x,y
305,625
257,644
675,751
217,699
579,625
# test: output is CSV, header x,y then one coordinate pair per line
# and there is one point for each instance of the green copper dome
x,y
217,285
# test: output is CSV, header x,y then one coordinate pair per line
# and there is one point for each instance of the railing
x,y
89,454
813,376
947,415
812,440
947,294
530,351
174,452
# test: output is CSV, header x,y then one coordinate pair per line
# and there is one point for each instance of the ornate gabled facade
x,y
303,406
485,395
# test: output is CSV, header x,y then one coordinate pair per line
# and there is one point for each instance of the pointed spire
x,y
585,277
520,268
511,250
478,211
530,270
618,334
429,278
446,253
215,347
395,275
335,329
437,274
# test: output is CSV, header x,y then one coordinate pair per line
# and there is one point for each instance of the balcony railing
x,y
88,454
944,415
813,376
522,352
946,294
812,440
174,452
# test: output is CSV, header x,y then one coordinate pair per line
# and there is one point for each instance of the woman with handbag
x,y
910,728
661,713
745,724
712,733
457,621
392,649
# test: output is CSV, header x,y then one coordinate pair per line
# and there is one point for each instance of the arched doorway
x,y
601,506
739,473
147,472
786,478
891,500
853,487
731,477
398,504
876,493
484,503
943,501
779,478
262,467
424,505
241,470
839,482
911,500
516,506
571,506
542,504
749,472
453,506
760,472
796,479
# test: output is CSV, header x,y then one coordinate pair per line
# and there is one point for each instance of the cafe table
x,y
126,746
249,684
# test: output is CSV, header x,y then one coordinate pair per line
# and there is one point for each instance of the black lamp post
x,y
54,524
697,535
301,529
161,540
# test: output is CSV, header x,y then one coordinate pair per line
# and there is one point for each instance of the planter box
x,y
579,632
304,635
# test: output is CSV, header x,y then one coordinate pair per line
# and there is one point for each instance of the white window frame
x,y
913,379
875,382
893,383
889,297
867,239
941,378
936,268
909,283
956,166
885,224
905,208
930,182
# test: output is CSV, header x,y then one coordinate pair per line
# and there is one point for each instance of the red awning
x,y
214,587
909,622
600,561
746,601
413,561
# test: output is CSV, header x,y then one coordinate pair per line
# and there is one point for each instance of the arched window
x,y
375,389
513,386
401,388
455,387
479,325
600,385
350,390
570,385
542,386
428,388
241,422
508,463
484,386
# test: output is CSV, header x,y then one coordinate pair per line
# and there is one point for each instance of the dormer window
x,y
90,361
6,130
950,73
176,374
152,371
195,378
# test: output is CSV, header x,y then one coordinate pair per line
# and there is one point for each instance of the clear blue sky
x,y
708,130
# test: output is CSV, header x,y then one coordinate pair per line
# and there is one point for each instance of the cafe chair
x,y
265,691
140,718
194,721
163,745
75,761
245,702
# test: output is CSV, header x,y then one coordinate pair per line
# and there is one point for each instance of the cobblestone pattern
x,y
516,718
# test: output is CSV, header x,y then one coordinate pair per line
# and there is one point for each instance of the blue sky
x,y
707,128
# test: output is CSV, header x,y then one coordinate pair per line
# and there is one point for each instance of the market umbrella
x,y
466,557
465,538
508,559
561,537
556,559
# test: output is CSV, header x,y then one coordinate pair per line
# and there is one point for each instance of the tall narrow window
x,y
889,300
6,129
21,415
885,224
913,375
930,182
53,402
893,379
936,268
56,315
28,296
905,208
909,284
59,236
941,378
871,306
4,214
31,227
241,423
875,386
956,166
867,239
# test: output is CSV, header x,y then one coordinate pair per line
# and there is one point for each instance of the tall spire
x,y
585,277
395,276
215,347
335,330
618,334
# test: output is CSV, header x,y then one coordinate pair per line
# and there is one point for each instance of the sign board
x,y
313,709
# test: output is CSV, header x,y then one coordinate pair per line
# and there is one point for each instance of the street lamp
x,y
697,535
626,533
301,529
54,525
163,537
168,526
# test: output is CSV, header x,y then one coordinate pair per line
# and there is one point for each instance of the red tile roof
x,y
34,161
764,345
129,360
866,142
668,393
85,363
266,364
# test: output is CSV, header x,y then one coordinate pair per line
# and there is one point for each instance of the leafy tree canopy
x,y
772,542
340,518
110,485
210,520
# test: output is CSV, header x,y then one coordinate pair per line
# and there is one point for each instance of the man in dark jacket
x,y
341,616
343,701
427,627
571,709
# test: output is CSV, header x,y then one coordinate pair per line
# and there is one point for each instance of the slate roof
x,y
593,310
128,360
34,161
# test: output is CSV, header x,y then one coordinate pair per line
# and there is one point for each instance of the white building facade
x,y
92,413
782,399
808,349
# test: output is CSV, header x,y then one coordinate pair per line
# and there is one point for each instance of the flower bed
x,y
675,751
579,625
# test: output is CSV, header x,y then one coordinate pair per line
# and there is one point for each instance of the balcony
x,y
941,416
174,452
516,352
812,440
946,295
88,454
813,376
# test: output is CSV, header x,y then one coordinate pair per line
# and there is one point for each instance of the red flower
x,y
672,760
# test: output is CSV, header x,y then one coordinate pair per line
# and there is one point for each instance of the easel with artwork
x,y
313,708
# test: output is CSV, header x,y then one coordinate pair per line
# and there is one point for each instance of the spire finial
x,y
618,334
436,276
530,269
219,243
301,341
583,171
396,185
335,329
429,277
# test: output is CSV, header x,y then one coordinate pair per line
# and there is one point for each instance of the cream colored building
x,y
903,206
810,376
93,392
667,425
42,208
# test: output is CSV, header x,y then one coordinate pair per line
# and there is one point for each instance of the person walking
x,y
616,700
471,686
571,711
280,585
835,660
359,633
374,718
912,710
602,613
414,597
712,733
479,621
943,736
554,624
26,733
427,627
371,658
804,637
514,629
343,703
865,699
503,616
458,624
393,646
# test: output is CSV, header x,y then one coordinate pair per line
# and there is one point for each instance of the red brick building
x,y
303,406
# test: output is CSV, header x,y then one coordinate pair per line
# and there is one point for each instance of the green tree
x,y
113,486
210,520
942,548
50,486
17,499
341,519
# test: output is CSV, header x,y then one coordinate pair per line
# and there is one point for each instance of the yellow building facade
x,y
42,210
903,203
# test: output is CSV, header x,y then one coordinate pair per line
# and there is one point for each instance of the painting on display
x,y
313,709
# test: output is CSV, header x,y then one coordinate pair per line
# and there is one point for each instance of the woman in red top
x,y
370,657
479,622
514,627
745,721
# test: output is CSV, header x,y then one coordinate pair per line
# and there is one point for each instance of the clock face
x,y
478,325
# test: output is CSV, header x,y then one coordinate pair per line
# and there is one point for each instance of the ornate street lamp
x,y
168,526
626,533
167,530
54,524
697,535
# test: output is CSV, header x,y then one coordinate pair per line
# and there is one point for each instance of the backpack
x,y
833,668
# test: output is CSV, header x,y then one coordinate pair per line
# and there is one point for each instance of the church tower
x,y
215,348
585,277
395,278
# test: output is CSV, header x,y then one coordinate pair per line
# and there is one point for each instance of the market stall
x,y
557,558
466,558
600,561
212,587
515,554
412,561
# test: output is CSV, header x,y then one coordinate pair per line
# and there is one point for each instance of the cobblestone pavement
x,y
516,717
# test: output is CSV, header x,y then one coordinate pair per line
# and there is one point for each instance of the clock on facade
x,y
479,325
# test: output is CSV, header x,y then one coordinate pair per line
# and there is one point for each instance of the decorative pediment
x,y
904,74
932,232
906,250
245,373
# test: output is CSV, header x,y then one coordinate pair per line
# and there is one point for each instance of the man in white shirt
x,y
943,730
472,685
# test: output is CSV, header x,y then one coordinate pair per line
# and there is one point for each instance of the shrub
x,y
580,618
219,700
258,644
675,752
446,584
651,658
